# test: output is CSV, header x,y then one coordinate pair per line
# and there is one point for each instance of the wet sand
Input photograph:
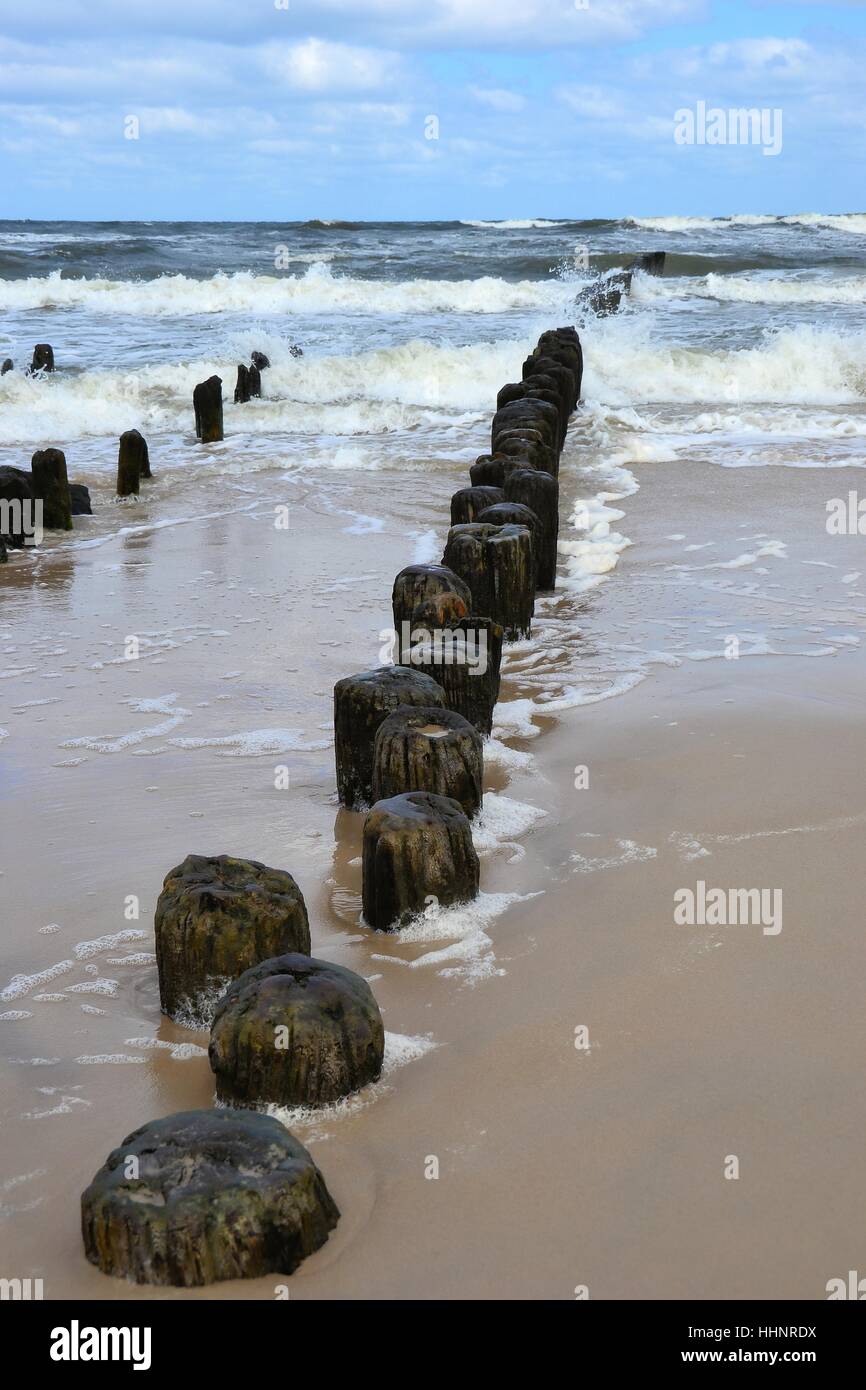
x,y
558,1167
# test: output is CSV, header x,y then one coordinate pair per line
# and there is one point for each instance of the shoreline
x,y
499,1102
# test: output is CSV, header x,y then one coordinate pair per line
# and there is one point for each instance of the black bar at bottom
x,y
170,1334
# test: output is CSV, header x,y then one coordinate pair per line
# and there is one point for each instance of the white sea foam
x,y
853,223
466,950
400,1049
756,288
503,820
626,364
317,291
367,392
256,743
25,984
180,1052
109,1059
86,949
107,987
627,852
516,224
163,704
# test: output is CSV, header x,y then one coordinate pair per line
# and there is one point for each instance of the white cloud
x,y
318,66
498,98
598,103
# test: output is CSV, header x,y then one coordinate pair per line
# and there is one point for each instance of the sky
x,y
425,109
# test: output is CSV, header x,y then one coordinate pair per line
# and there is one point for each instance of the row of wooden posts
x,y
232,936
409,737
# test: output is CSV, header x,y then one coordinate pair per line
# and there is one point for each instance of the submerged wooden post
x,y
249,383
469,501
43,358
207,399
417,847
429,750
463,655
332,1043
216,917
417,583
206,1195
361,703
51,486
496,562
132,463
540,492
516,514
242,389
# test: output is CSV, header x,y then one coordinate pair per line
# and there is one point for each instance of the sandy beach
x,y
562,1168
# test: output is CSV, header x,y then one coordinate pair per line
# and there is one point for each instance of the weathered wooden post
x,y
295,1031
496,562
207,399
429,750
215,918
416,584
417,848
43,358
242,389
469,501
361,703
488,471
132,463
463,655
51,485
540,492
206,1195
516,514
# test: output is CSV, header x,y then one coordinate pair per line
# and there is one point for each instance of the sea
x,y
753,342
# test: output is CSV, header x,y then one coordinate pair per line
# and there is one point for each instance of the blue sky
x,y
292,109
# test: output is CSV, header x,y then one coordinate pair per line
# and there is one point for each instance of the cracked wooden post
x,y
463,655
249,383
496,562
540,492
361,703
429,750
516,514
